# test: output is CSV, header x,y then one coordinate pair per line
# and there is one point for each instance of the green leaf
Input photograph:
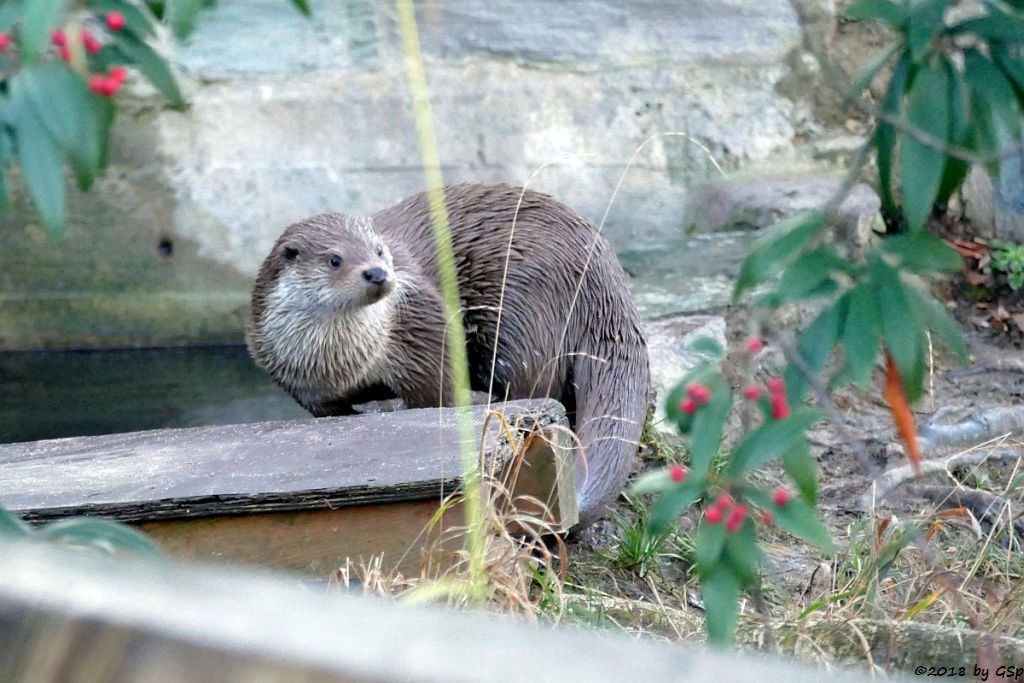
x,y
62,101
801,466
770,441
42,168
152,66
923,24
721,593
742,554
677,394
9,13
939,321
1012,66
800,518
885,135
902,327
652,481
861,334
922,165
707,346
810,275
104,111
135,20
868,72
708,422
955,170
709,542
101,534
38,20
777,248
987,81
674,502
814,347
923,252
885,11
996,25
303,6
182,16
12,526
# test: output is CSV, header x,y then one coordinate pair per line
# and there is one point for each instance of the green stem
x,y
455,335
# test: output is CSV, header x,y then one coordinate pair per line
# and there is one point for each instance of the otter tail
x,y
612,390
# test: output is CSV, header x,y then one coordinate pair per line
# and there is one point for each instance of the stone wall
x,y
290,116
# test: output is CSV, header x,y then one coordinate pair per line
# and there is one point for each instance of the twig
x,y
898,475
855,444
982,426
984,505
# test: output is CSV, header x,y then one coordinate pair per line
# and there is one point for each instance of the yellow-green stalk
x,y
455,336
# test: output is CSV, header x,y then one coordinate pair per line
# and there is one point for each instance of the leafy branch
x,y
955,93
61,65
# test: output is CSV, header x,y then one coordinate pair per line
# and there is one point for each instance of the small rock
x,y
755,203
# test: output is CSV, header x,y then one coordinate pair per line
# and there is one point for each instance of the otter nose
x,y
376,276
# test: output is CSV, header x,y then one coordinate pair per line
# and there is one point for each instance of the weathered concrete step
x,y
300,494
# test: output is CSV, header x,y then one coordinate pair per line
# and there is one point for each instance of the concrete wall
x,y
290,116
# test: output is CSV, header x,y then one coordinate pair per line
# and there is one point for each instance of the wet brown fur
x,y
337,349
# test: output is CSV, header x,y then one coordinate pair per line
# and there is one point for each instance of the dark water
x,y
50,394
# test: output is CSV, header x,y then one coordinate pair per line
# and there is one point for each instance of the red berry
x,y
115,21
677,473
699,393
98,85
776,385
724,502
752,393
736,517
5,42
780,407
117,75
767,518
780,497
755,344
689,406
92,46
58,38
713,515
64,53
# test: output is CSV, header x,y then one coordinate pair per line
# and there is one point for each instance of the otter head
x,y
338,262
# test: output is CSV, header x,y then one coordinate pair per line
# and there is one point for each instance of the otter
x,y
349,309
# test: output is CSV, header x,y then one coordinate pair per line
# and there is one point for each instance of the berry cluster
x,y
733,513
726,508
697,395
105,85
780,404
777,392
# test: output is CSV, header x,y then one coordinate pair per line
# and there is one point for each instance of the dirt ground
x,y
661,598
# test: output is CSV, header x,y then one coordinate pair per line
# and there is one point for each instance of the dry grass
x,y
523,557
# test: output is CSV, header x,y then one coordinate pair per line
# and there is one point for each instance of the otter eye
x,y
380,252
335,261
290,253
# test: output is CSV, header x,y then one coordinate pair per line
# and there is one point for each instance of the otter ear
x,y
289,252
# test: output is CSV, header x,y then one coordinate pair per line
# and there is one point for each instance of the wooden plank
x,y
314,542
301,495
260,467
83,617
